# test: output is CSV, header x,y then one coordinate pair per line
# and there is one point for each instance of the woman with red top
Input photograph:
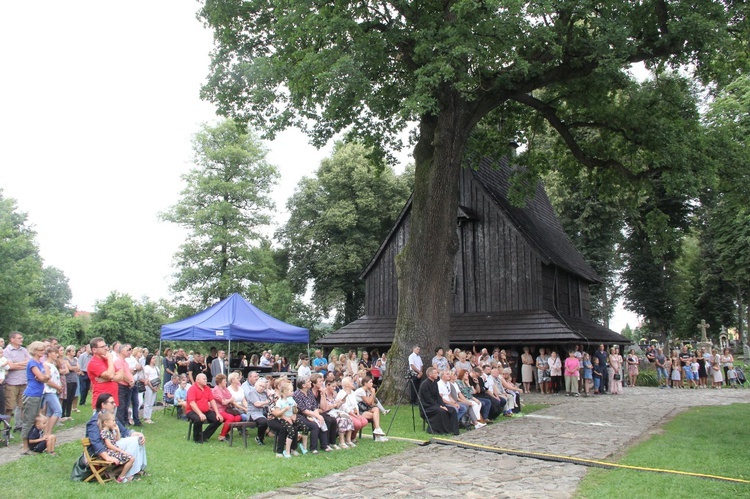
x,y
225,401
571,374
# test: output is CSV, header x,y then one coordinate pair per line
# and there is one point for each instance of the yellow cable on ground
x,y
578,460
401,439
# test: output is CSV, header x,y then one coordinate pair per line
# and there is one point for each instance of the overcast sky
x,y
98,102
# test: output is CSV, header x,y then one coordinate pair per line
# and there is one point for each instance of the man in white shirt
x,y
265,359
492,393
444,389
415,373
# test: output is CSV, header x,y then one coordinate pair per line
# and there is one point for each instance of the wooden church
x,y
518,280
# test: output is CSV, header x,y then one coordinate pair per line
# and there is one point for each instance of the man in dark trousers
x,y
201,408
601,354
440,417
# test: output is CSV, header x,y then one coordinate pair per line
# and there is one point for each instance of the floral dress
x,y
121,457
343,421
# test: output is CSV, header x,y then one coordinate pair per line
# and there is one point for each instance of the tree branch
x,y
549,113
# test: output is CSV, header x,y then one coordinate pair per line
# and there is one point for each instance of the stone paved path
x,y
595,427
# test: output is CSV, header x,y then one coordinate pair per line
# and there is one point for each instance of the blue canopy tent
x,y
234,319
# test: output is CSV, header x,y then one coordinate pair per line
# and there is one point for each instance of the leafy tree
x,y
224,206
338,219
728,124
370,68
20,266
652,248
595,226
55,293
119,317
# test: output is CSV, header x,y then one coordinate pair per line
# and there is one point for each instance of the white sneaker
x,y
381,439
378,431
479,425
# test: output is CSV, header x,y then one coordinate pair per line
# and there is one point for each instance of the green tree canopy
x,y
224,207
338,219
20,266
120,317
369,68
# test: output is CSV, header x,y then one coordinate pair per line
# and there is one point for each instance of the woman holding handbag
x,y
615,371
152,379
226,405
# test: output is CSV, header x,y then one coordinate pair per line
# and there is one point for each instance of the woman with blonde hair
x,y
36,377
350,406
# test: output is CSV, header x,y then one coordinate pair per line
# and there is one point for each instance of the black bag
x,y
155,383
363,407
233,411
617,377
140,385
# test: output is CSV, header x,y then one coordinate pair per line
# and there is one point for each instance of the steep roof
x,y
536,220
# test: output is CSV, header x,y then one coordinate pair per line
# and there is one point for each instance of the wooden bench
x,y
242,426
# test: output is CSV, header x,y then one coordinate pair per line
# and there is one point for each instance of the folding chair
x,y
97,465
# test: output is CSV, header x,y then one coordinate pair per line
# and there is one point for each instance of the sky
x,y
98,104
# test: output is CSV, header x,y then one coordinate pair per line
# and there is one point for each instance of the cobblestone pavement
x,y
590,427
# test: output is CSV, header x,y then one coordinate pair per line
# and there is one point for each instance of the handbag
x,y
363,407
617,377
81,470
140,385
155,383
233,411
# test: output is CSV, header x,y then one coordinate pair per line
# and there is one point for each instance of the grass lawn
x,y
710,440
180,467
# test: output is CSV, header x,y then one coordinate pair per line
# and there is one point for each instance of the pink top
x,y
220,394
571,366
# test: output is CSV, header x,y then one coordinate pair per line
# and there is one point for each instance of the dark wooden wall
x,y
381,285
496,270
572,297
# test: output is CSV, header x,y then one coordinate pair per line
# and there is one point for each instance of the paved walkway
x,y
594,427
13,452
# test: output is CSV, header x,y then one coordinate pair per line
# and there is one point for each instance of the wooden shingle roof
x,y
538,327
536,220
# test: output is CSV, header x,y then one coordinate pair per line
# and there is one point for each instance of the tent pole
x,y
229,351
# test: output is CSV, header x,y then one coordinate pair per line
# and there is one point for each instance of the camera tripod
x,y
407,390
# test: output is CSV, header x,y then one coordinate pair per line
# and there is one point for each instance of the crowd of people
x,y
319,406
314,410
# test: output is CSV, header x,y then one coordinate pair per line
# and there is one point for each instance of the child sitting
x,y
289,420
111,434
38,442
180,398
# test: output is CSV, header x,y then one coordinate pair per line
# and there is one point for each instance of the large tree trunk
x,y
425,265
